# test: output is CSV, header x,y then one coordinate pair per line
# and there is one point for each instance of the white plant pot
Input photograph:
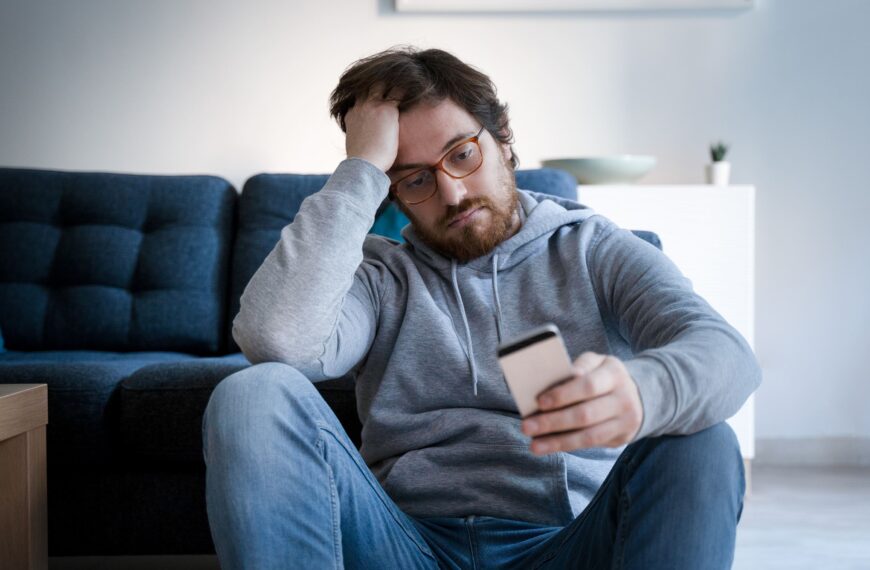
x,y
718,173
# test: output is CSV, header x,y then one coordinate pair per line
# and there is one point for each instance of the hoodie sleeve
x,y
691,367
313,304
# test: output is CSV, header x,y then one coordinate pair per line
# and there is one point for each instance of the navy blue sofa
x,y
118,292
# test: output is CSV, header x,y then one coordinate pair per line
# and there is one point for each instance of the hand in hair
x,y
373,131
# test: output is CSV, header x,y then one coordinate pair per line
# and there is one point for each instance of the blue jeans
x,y
286,488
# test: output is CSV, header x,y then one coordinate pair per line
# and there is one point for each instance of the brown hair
x,y
416,76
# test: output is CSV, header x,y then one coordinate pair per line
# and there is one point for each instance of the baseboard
x,y
822,451
188,562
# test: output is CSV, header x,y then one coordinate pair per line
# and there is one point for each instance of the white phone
x,y
532,363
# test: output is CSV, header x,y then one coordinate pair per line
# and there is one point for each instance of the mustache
x,y
461,208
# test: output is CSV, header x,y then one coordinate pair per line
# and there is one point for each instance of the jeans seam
x,y
377,491
624,504
470,530
621,530
336,516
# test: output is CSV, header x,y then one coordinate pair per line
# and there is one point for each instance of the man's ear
x,y
506,152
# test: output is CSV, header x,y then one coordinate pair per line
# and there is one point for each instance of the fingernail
x,y
547,401
541,447
531,426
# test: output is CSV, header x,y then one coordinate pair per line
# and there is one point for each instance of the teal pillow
x,y
2,349
389,223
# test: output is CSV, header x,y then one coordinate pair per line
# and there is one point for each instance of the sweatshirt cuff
x,y
364,166
658,397
361,184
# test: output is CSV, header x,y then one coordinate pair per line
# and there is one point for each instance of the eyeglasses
x,y
460,161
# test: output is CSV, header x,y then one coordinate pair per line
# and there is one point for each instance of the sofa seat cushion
x,y
87,356
82,397
162,407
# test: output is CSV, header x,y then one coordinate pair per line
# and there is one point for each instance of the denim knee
x,y
713,453
243,405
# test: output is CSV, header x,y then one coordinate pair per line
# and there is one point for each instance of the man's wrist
x,y
361,182
370,166
371,161
657,397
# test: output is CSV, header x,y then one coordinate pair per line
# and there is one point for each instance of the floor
x,y
796,518
806,517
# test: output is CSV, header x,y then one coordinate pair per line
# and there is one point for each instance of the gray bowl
x,y
604,169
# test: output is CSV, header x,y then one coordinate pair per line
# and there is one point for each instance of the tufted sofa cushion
x,y
116,262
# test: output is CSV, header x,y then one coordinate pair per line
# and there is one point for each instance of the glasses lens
x,y
459,162
416,187
463,159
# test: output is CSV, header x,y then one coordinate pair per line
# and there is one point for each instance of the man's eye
x,y
462,154
417,181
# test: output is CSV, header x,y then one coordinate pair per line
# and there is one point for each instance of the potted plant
x,y
718,172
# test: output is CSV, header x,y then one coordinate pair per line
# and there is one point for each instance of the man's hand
x,y
373,131
599,407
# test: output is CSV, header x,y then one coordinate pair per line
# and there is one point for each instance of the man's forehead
x,y
463,134
425,134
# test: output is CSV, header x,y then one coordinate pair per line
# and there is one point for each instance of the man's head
x,y
443,103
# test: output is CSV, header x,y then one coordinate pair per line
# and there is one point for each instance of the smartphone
x,y
532,363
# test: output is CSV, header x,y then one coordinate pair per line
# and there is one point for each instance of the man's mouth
x,y
464,217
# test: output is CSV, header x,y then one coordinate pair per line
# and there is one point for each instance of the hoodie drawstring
x,y
495,296
469,351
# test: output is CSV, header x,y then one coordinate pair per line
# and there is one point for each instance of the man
x,y
448,474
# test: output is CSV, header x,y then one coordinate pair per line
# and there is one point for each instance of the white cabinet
x,y
709,232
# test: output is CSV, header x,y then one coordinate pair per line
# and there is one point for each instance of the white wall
x,y
234,88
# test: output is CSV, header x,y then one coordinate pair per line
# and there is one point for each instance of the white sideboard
x,y
709,232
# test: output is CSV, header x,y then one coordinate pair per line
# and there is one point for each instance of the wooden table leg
x,y
23,487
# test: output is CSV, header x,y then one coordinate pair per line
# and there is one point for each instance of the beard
x,y
476,238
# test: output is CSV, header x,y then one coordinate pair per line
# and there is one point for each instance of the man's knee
x,y
719,444
246,404
710,458
260,380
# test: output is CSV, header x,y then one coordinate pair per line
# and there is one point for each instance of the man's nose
x,y
452,190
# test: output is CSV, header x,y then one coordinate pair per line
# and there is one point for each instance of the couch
x,y
118,292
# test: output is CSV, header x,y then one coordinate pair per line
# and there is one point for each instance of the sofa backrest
x,y
106,261
270,201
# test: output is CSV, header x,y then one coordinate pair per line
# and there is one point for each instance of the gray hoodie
x,y
440,429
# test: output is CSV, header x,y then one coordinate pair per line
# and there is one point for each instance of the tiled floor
x,y
797,518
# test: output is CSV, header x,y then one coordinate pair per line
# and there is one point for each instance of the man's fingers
x,y
574,417
599,407
599,435
375,92
594,377
379,93
589,361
